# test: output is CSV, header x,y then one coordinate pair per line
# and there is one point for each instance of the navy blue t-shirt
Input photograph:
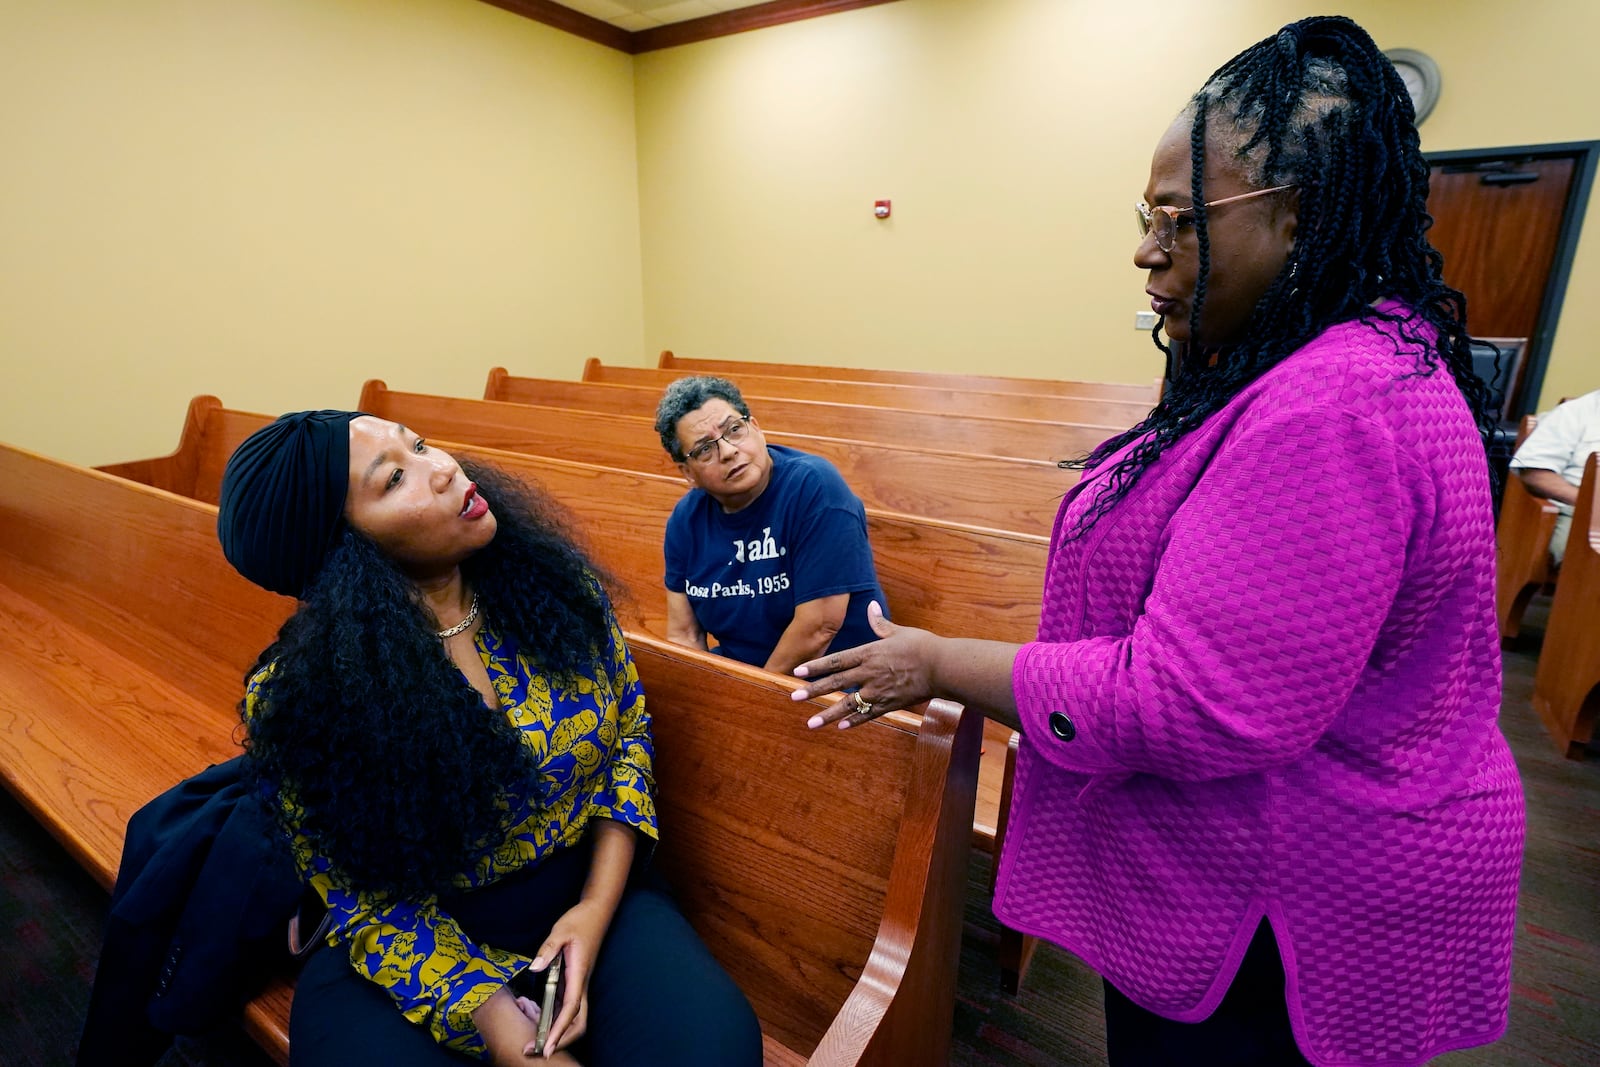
x,y
803,538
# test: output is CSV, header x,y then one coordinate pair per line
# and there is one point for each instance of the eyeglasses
x,y
702,453
1164,218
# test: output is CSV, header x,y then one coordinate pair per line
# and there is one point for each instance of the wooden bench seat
x,y
1046,407
958,579
987,383
1017,438
830,885
1522,546
1566,686
57,764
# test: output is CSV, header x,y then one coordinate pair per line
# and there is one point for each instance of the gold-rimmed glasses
x,y
1163,218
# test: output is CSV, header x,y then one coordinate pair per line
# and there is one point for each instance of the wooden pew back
x,y
128,578
992,491
1018,438
127,639
793,901
608,510
1138,392
1522,545
212,432
1043,407
964,581
829,884
1566,686
175,472
969,580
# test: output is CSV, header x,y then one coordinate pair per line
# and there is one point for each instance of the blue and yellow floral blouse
x,y
591,738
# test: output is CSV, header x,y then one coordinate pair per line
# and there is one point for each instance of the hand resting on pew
x,y
907,666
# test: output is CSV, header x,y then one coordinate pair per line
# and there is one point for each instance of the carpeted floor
x,y
52,913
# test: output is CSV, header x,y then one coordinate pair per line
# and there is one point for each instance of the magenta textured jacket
x,y
1266,684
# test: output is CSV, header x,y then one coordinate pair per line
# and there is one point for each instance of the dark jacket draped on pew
x,y
198,918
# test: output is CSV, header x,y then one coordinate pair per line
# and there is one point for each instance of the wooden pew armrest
x,y
913,960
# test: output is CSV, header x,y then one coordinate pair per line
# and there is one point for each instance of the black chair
x,y
1500,367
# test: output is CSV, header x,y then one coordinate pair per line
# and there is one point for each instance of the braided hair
x,y
1319,107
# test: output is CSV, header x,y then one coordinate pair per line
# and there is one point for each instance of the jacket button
x,y
1062,726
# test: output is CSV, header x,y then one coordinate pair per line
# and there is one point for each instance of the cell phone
x,y
547,1010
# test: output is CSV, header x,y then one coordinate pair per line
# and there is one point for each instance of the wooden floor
x,y
50,915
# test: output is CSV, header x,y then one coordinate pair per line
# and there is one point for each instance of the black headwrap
x,y
282,503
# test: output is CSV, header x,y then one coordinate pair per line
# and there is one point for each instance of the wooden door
x,y
1498,223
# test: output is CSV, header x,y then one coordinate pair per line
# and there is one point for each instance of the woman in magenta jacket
x,y
1261,786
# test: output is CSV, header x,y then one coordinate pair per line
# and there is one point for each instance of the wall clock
x,y
1421,75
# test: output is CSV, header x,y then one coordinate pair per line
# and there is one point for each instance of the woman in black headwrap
x,y
454,736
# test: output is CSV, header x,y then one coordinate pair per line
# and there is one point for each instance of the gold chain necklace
x,y
460,627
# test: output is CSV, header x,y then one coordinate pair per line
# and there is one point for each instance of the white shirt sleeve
x,y
1562,440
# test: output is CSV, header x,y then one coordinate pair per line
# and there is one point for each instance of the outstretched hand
x,y
893,672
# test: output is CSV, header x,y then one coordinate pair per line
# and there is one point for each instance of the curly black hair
x,y
1318,106
397,771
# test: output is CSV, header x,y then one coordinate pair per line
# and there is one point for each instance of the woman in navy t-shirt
x,y
768,552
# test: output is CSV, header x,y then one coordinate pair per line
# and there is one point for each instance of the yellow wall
x,y
273,200
1013,137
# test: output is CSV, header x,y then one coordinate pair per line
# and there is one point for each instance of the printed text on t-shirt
x,y
765,548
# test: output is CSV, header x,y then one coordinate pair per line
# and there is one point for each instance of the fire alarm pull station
x,y
880,208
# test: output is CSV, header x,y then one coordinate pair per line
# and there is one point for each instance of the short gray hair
x,y
691,394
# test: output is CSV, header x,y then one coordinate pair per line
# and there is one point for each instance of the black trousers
x,y
657,996
1250,1028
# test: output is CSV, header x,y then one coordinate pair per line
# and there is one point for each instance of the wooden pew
x,y
211,432
1016,948
1522,546
1004,494
1018,438
126,636
956,579
993,491
1046,408
194,469
962,580
830,885
1566,687
1140,393
935,574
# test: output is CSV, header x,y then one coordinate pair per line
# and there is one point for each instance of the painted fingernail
x,y
844,724
800,694
814,722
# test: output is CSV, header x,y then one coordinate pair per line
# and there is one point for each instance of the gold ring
x,y
863,707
